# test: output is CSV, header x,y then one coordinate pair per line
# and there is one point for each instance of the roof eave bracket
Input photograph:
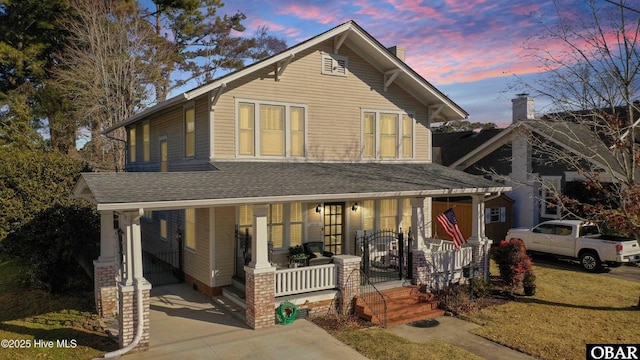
x,y
215,95
281,65
434,111
338,41
389,77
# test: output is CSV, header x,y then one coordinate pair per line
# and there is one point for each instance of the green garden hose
x,y
287,312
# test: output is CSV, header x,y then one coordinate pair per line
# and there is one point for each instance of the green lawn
x,y
570,309
28,315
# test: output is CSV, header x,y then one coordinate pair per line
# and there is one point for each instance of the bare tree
x,y
592,63
105,71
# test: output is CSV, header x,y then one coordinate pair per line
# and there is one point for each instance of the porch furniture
x,y
316,253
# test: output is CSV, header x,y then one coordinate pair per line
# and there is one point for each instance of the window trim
x,y
132,144
163,140
146,141
557,182
400,136
286,224
185,109
257,128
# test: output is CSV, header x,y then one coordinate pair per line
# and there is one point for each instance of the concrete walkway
x,y
457,333
185,324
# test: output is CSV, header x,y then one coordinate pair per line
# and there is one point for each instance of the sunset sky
x,y
469,49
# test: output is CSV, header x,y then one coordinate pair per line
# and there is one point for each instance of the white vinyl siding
x,y
275,130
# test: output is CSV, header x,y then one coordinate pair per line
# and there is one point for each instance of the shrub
x,y
513,262
58,244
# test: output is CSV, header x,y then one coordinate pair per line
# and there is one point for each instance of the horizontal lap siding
x,y
334,104
224,253
197,263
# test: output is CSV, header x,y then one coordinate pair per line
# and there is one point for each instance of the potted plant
x,y
529,283
297,255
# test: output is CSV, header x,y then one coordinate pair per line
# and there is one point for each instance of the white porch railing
x,y
451,260
305,279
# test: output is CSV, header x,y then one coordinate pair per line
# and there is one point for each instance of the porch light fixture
x,y
354,207
318,209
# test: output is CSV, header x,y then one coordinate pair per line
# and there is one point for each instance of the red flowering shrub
x,y
513,262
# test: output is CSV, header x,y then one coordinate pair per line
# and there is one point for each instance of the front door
x,y
333,227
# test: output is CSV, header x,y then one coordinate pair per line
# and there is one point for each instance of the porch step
x,y
404,305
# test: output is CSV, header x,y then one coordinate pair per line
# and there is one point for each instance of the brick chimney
x,y
523,107
398,51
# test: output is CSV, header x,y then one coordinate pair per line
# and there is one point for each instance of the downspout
x,y
140,305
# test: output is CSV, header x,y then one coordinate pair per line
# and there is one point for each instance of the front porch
x,y
320,202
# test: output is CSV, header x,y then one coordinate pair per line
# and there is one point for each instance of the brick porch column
x,y
104,285
348,280
128,317
260,276
132,280
260,297
105,269
420,266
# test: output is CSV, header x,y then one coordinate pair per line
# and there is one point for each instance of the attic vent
x,y
334,65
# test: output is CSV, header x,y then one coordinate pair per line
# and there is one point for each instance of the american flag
x,y
450,225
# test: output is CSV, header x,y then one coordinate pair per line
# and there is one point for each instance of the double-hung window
x,y
146,141
387,135
132,144
284,224
190,132
269,129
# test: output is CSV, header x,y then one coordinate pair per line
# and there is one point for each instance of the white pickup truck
x,y
578,240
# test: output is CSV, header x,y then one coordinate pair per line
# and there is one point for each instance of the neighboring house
x,y
326,140
507,154
450,147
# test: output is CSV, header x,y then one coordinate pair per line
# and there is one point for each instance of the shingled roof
x,y
269,182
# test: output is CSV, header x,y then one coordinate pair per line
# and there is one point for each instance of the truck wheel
x,y
590,261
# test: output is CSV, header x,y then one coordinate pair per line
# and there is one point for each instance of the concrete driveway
x,y
185,324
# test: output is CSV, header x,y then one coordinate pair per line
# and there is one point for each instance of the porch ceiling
x,y
232,183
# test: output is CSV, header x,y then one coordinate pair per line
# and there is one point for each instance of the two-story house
x,y
324,140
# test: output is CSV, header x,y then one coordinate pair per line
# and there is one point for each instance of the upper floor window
x,y
132,144
334,65
387,135
275,129
190,132
146,138
163,154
